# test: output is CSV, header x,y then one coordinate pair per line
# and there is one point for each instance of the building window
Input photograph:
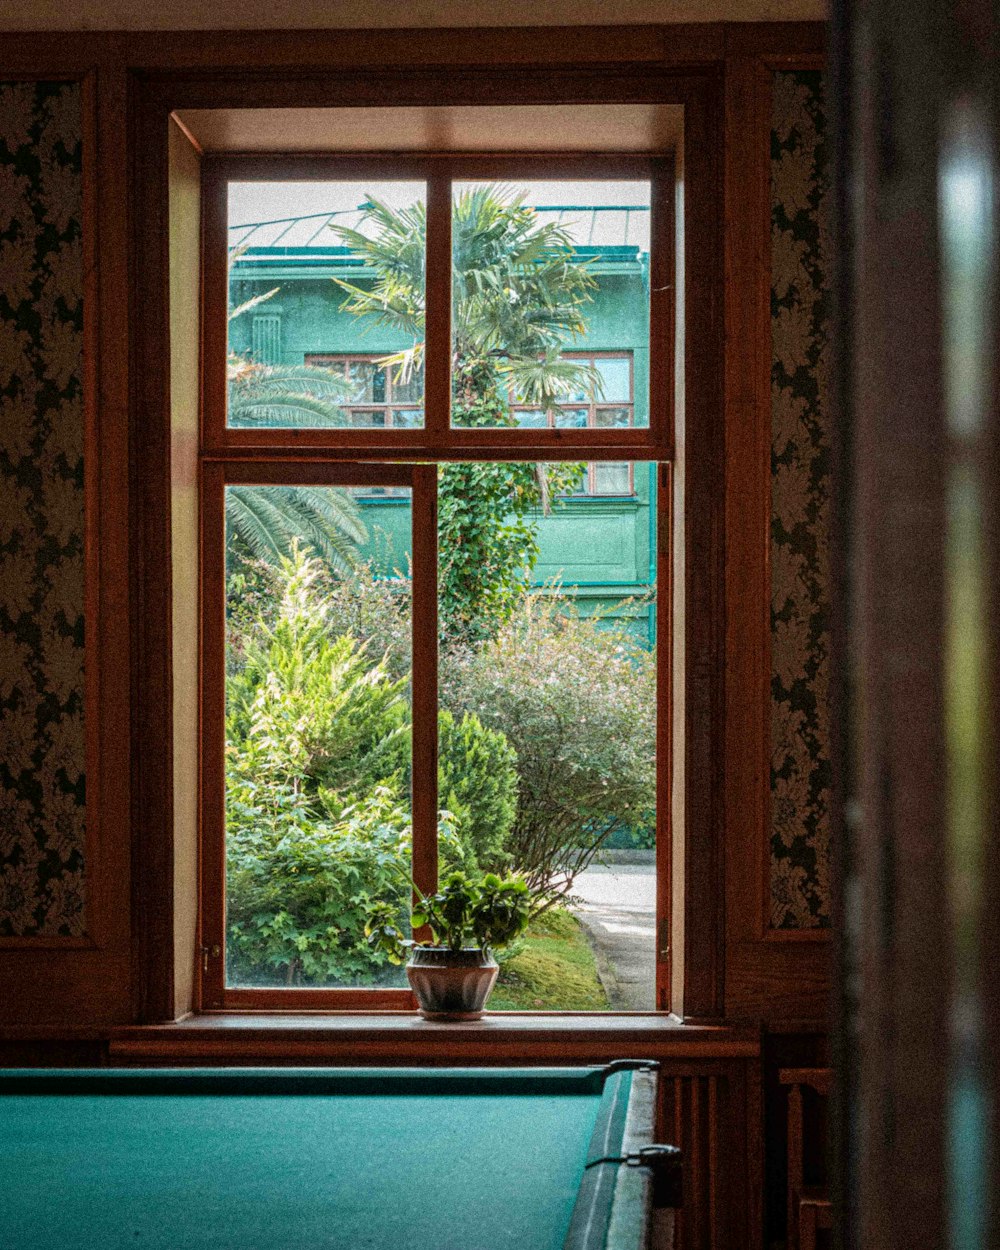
x,y
605,402
378,398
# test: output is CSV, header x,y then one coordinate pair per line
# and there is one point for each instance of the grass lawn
x,y
552,971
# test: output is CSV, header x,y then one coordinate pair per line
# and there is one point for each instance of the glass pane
x,y
611,478
407,388
571,418
309,330
613,418
548,684
367,382
407,418
367,418
530,418
318,811
543,270
616,379
581,391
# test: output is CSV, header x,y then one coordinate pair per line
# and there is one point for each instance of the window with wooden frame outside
x,y
416,656
379,398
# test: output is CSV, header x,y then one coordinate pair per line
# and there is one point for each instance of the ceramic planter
x,y
451,985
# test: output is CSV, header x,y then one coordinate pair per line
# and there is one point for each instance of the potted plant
x,y
453,973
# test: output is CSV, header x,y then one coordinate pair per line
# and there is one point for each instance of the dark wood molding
x,y
704,555
150,579
291,50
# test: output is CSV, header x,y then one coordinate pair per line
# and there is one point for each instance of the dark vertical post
x,y
919,471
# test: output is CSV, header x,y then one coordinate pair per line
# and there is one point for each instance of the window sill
x,y
406,1038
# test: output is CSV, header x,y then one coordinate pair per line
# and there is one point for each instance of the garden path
x,y
616,904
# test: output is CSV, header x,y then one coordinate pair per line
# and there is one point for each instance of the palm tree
x,y
267,521
518,297
518,293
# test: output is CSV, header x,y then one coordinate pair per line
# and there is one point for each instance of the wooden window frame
x,y
438,439
390,457
453,69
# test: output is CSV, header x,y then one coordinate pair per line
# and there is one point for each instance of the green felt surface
x,y
447,1161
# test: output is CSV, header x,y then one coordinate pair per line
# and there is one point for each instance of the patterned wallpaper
x,y
800,486
41,511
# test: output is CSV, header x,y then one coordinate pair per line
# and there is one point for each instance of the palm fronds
x,y
518,291
285,396
267,521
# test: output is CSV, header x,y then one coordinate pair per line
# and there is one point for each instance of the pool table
x,y
345,1158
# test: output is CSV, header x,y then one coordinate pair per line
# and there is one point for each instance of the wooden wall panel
x,y
776,974
82,976
713,1113
734,966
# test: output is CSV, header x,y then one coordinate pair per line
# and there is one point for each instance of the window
x,y
604,402
377,397
380,399
395,572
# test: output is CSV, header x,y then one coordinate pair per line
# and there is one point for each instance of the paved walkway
x,y
617,907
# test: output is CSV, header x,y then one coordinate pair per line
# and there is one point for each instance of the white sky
x,y
266,201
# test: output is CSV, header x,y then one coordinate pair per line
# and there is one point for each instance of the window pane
x,y
571,418
547,657
407,418
407,388
543,269
309,263
530,418
318,808
616,377
367,418
611,478
613,418
367,382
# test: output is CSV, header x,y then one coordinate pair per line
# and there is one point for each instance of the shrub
x,y
309,709
298,889
477,784
318,766
576,700
376,611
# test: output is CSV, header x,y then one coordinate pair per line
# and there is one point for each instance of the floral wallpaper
x,y
800,488
41,511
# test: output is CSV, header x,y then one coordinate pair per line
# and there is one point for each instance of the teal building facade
x,y
598,546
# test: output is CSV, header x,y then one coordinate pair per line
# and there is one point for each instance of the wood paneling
x,y
44,981
730,968
770,974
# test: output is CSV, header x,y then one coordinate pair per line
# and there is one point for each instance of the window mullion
x,y
437,296
662,489
425,678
